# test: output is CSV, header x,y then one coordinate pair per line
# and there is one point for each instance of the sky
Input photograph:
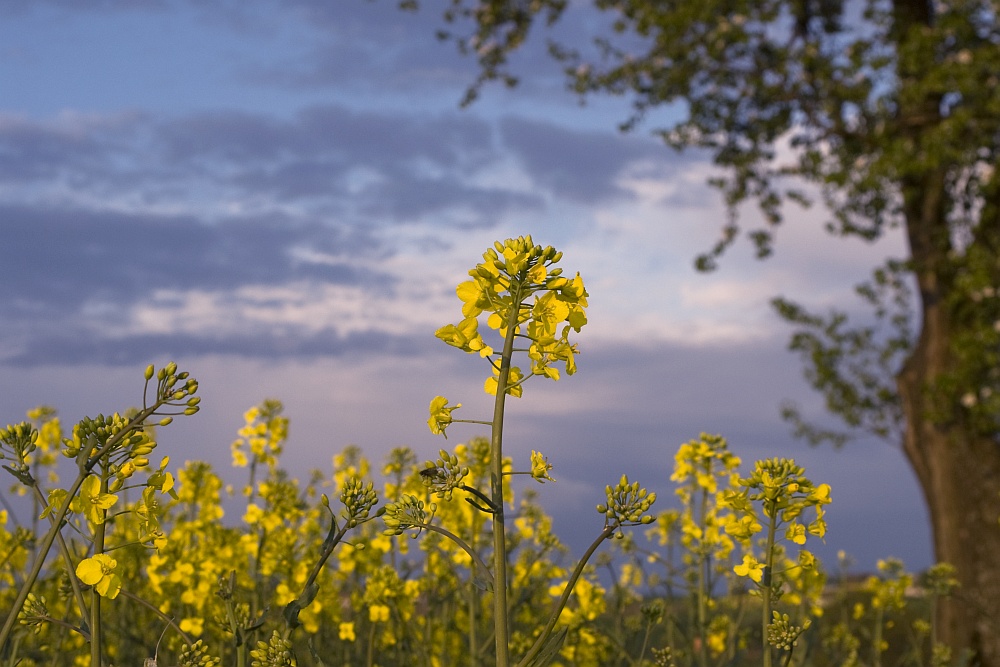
x,y
282,197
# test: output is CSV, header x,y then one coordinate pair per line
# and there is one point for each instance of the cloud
x,y
79,274
584,166
16,7
367,168
67,347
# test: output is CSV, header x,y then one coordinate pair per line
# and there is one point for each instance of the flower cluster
x,y
627,504
782,634
518,286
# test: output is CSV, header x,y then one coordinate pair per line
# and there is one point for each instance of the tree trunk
x,y
958,470
960,478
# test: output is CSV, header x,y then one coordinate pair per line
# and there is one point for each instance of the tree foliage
x,y
886,111
865,102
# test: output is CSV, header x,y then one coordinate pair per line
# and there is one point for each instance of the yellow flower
x,y
547,313
378,613
750,567
717,641
476,297
91,502
239,456
99,572
796,533
347,632
465,336
56,499
253,514
743,528
440,418
193,626
540,467
820,495
513,388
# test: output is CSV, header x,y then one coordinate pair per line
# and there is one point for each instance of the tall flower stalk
x,y
534,309
775,496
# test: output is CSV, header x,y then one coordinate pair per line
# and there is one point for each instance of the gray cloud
x,y
22,6
72,275
64,255
374,168
579,165
64,346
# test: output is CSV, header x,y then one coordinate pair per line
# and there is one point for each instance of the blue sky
x,y
282,197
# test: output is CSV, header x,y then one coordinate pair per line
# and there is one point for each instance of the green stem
x,y
564,598
57,520
765,591
68,558
496,487
877,639
702,584
462,544
14,660
370,654
240,641
153,608
100,531
333,538
645,644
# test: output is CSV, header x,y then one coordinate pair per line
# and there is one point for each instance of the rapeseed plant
x,y
156,566
534,310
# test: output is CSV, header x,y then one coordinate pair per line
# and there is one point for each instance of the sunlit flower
x,y
193,626
743,528
750,567
378,613
90,502
440,418
99,572
796,532
540,467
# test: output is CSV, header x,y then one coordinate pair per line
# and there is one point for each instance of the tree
x,y
890,109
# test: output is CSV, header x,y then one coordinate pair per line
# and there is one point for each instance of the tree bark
x,y
958,470
960,478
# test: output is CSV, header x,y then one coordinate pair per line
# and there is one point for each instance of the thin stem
x,y
564,598
100,531
702,584
877,639
479,494
371,646
333,538
645,644
496,487
153,608
50,537
462,544
64,551
766,588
